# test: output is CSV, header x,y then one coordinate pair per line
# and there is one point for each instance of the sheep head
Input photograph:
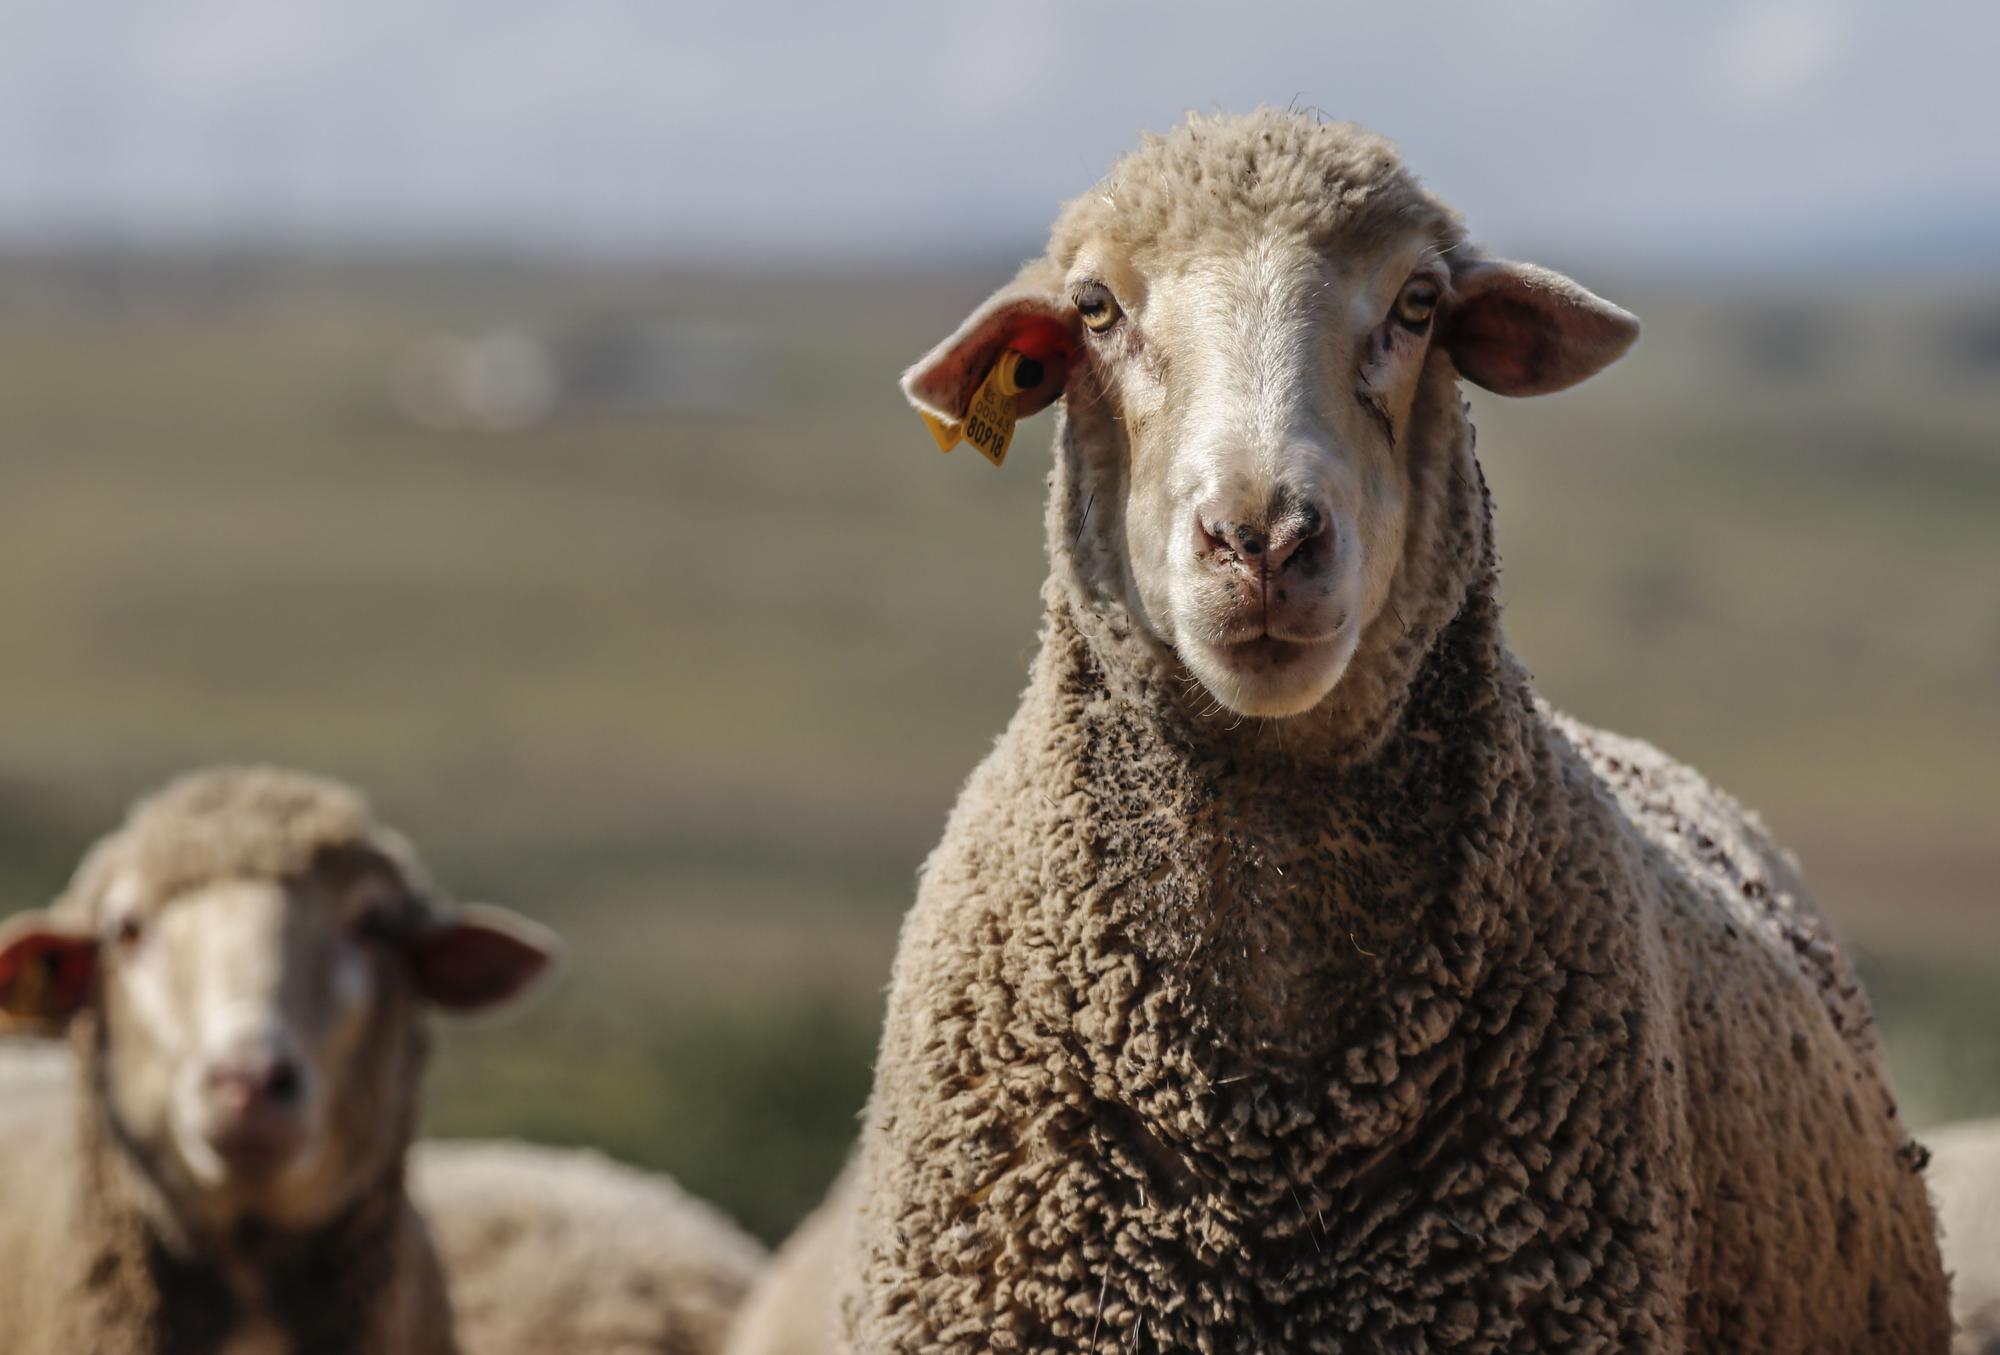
x,y
250,953
1241,318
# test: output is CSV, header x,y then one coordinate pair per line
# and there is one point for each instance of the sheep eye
x,y
129,932
373,926
1098,308
1417,302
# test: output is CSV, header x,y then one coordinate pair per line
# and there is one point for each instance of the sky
x,y
1731,133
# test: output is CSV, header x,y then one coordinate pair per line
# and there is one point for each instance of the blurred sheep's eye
x,y
373,926
1417,302
129,932
1097,307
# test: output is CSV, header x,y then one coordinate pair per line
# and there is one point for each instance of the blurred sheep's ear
x,y
1030,316
482,958
1521,330
47,970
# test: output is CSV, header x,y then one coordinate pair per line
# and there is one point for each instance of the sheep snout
x,y
253,1109
1260,544
1268,589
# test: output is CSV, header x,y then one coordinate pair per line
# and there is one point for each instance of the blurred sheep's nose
x,y
252,1080
1259,541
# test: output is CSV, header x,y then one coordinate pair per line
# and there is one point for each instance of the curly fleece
x,y
1429,1021
1332,185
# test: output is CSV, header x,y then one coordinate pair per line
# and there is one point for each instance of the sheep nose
x,y
263,1079
1260,542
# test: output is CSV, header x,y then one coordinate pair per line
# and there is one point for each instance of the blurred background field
x,y
642,602
495,406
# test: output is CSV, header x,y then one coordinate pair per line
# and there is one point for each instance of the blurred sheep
x,y
793,1308
1965,1178
551,1250
242,970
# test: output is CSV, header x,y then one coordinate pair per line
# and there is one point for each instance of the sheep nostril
x,y
1296,535
248,1083
283,1083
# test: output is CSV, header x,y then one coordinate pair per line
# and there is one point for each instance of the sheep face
x,y
256,1035
1261,385
1242,317
259,1036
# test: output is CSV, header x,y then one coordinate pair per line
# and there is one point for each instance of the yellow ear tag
x,y
989,419
945,433
31,1000
32,996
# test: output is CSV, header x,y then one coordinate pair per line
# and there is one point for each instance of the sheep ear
x,y
482,958
47,970
1032,317
1521,330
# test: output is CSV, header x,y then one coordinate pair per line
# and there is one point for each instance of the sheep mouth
x,y
1268,674
1266,649
1265,653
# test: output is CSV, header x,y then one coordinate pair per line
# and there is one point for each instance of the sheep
x,y
791,1310
1289,976
30,1070
1965,1174
553,1250
240,968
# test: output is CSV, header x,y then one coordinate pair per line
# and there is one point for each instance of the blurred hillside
x,y
643,603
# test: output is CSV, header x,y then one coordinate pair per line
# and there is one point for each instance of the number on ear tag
x,y
990,418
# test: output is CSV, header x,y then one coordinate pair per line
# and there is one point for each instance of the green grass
x,y
1939,1015
750,1104
698,689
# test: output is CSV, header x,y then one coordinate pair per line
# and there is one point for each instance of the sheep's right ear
x,y
1030,316
482,958
47,970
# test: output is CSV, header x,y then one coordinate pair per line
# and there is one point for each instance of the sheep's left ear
x,y
1521,330
47,969
482,958
1031,316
